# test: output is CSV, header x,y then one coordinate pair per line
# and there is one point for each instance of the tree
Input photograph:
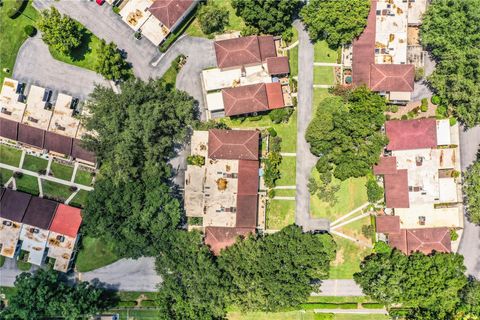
x,y
272,169
276,271
137,131
345,133
268,16
374,191
471,188
110,63
43,295
60,32
336,21
450,32
212,18
192,287
470,298
426,284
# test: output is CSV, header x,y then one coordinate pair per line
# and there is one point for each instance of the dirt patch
x,y
339,259
413,36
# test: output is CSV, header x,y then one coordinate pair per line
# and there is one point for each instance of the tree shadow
x,y
79,53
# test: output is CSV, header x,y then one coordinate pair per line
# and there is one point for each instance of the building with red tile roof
x,y
66,221
387,224
386,165
170,12
396,189
274,95
392,77
8,129
31,136
58,143
278,65
219,238
244,51
411,134
233,144
425,240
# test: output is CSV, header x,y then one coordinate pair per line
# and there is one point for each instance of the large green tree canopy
x,y
137,132
451,32
471,187
268,16
336,21
60,31
43,295
110,62
345,133
276,271
428,284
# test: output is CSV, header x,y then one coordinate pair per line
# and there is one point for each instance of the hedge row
x,y
127,304
372,305
346,305
148,303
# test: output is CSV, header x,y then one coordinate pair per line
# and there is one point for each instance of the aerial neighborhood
x,y
240,159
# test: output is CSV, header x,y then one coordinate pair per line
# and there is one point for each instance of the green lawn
x,y
23,266
2,261
93,254
287,131
28,184
285,192
56,191
354,229
61,171
170,76
323,53
80,199
235,22
347,262
293,61
12,35
9,155
287,171
85,56
323,75
5,175
8,291
352,194
318,95
34,164
83,177
280,213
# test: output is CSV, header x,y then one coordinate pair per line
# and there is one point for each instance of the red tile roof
x,y
246,215
386,165
8,129
278,65
245,99
423,240
392,77
387,224
58,143
274,95
233,144
244,51
30,135
396,189
219,238
411,134
364,50
67,221
170,11
248,177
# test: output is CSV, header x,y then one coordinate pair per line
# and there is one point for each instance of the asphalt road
x,y
305,160
470,243
126,275
9,272
339,288
36,65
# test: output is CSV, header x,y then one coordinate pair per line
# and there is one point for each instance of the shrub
x,y
18,174
287,35
272,132
404,117
272,171
16,10
42,172
453,234
419,73
249,31
271,193
149,303
424,105
30,30
374,191
312,186
368,231
280,115
393,108
73,188
455,174
388,117
435,100
116,9
453,121
372,305
442,112
196,160
381,247
275,144
255,118
195,221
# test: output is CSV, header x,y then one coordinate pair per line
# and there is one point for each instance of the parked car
x,y
100,2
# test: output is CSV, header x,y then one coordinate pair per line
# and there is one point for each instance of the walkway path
x,y
363,215
288,154
326,64
284,198
305,161
45,177
322,86
363,206
285,187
